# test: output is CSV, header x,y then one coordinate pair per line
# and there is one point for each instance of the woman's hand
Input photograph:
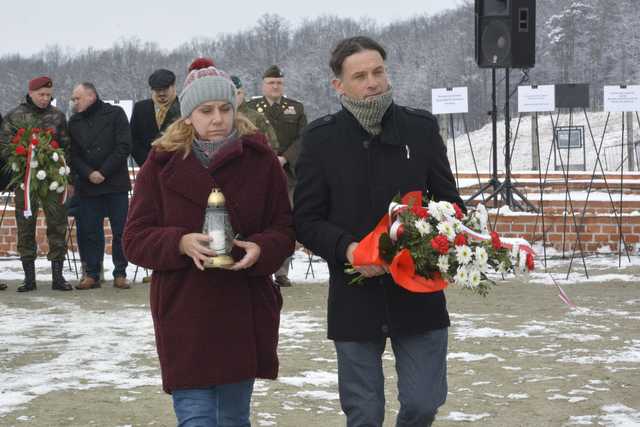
x,y
252,253
196,246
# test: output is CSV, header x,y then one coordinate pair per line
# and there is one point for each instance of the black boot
x,y
29,284
58,283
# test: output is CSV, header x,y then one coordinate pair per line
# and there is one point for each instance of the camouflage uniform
x,y
262,124
55,212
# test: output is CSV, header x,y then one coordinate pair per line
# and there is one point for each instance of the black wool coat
x,y
346,180
100,141
144,129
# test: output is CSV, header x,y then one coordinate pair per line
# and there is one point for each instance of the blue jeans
x,y
93,211
225,405
421,365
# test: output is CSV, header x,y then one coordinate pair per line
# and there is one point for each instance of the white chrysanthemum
x,y
503,267
457,225
483,217
60,189
22,186
463,254
436,211
34,163
443,263
55,157
475,278
54,186
462,277
423,226
62,171
68,169
41,175
481,255
14,167
446,228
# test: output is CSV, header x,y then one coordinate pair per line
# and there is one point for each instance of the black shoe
x,y
58,282
29,284
283,281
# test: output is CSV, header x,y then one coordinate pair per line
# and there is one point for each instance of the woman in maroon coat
x,y
216,330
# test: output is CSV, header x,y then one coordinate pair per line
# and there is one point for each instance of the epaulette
x,y
420,113
322,121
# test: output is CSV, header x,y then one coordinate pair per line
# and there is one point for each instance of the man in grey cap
x,y
152,116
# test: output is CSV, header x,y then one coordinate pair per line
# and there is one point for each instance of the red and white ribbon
x,y
27,182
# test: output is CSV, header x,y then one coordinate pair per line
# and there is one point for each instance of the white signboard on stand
x,y
451,100
621,98
125,104
536,99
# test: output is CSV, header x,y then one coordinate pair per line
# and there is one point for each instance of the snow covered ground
x,y
520,355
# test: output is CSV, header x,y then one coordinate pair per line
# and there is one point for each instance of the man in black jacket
x,y
153,116
100,145
351,166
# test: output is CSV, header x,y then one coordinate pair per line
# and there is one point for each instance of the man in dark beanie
x,y
152,116
259,120
287,117
352,164
38,111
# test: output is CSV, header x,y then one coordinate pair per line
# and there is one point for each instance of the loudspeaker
x,y
505,33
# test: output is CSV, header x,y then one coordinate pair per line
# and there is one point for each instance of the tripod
x,y
504,189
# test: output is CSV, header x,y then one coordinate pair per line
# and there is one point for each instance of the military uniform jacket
x,y
288,119
346,180
263,125
45,118
144,129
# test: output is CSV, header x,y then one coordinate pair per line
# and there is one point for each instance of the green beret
x,y
273,71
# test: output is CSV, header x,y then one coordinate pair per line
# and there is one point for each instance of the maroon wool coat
x,y
214,326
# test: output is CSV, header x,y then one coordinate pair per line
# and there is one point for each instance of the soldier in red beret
x,y
37,109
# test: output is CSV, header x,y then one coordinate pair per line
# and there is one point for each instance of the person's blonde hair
x,y
179,135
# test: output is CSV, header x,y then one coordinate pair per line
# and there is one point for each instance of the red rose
x,y
36,130
20,151
460,240
530,262
50,131
441,244
35,142
495,240
400,231
420,211
16,139
459,213
55,145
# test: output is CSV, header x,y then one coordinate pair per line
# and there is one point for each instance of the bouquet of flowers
x,y
37,163
427,244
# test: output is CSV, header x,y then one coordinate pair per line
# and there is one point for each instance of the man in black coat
x,y
153,116
100,146
352,163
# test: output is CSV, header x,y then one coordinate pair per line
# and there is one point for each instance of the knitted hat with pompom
x,y
205,83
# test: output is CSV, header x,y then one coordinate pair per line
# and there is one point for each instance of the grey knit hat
x,y
203,85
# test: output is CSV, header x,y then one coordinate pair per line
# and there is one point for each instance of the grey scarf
x,y
369,112
205,150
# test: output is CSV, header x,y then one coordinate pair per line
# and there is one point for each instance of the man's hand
x,y
96,177
365,270
283,160
251,256
70,191
192,245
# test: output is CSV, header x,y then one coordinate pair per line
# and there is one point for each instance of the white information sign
x,y
125,104
621,98
450,100
536,99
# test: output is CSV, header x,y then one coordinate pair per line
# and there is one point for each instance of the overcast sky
x,y
30,25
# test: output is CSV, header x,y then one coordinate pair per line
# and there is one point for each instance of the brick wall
x,y
595,231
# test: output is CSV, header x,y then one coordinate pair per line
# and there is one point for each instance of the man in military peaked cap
x,y
287,117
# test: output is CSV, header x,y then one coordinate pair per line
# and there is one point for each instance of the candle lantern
x,y
218,228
